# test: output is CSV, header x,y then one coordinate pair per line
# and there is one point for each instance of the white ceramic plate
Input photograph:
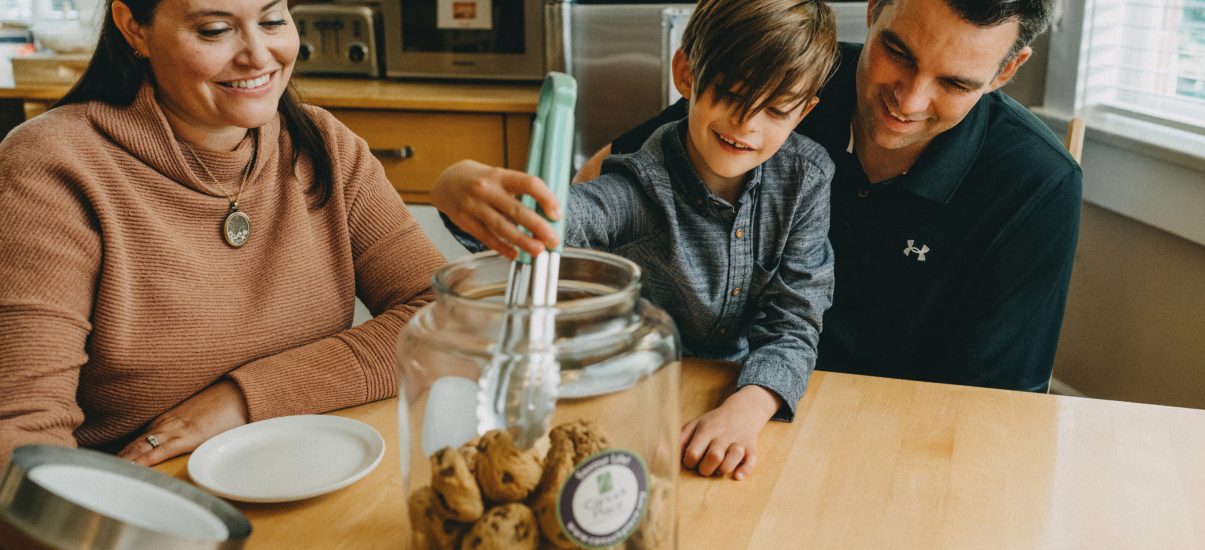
x,y
286,458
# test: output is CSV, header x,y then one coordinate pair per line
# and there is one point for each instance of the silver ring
x,y
154,441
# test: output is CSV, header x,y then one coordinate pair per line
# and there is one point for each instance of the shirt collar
x,y
683,175
943,165
141,129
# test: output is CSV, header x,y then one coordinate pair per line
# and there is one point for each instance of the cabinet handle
x,y
401,153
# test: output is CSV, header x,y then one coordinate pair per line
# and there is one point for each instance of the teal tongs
x,y
519,388
549,157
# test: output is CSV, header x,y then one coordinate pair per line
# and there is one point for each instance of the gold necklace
x,y
236,229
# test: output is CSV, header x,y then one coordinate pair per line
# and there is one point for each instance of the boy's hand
x,y
724,440
481,200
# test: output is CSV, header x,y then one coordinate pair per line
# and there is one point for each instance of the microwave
x,y
472,39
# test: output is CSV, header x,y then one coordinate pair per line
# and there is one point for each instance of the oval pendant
x,y
237,229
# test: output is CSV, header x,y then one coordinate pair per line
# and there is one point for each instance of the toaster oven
x,y
338,39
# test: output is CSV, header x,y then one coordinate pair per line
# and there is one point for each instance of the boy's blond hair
x,y
760,50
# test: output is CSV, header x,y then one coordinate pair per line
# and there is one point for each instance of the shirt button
x,y
863,194
740,233
699,202
736,291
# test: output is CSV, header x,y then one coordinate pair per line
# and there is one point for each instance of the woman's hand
x,y
724,440
186,426
481,200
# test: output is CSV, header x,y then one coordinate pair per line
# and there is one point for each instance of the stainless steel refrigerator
x,y
620,51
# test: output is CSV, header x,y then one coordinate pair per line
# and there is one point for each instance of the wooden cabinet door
x,y
415,147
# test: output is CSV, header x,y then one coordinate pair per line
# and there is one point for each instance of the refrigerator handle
x,y
558,36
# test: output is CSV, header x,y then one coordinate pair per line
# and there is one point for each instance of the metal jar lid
x,y
76,498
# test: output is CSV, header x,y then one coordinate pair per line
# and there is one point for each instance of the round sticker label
x,y
603,501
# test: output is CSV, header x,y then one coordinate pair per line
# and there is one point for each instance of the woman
x,y
181,243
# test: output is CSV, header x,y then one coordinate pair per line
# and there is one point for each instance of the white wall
x,y
1136,310
428,218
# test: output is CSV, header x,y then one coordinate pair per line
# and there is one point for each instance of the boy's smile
x,y
722,147
735,145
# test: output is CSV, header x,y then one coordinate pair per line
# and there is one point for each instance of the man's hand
x,y
186,426
724,440
482,200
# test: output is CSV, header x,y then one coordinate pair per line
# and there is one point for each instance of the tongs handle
x,y
552,146
519,389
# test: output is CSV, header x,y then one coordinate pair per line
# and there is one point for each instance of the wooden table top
x,y
363,93
874,463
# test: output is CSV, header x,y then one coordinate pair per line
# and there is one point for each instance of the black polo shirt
x,y
957,271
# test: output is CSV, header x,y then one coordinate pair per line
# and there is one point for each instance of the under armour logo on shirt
x,y
920,252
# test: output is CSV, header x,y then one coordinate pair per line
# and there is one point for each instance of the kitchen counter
x,y
362,93
873,463
416,128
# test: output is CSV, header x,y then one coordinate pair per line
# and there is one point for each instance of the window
x,y
1146,59
1133,69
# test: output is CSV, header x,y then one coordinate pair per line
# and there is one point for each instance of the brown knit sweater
x,y
119,299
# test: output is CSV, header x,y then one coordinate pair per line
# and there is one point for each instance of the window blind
x,y
1146,58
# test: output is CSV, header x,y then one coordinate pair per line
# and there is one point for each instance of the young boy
x,y
726,212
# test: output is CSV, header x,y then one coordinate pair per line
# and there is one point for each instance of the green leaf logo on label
x,y
604,483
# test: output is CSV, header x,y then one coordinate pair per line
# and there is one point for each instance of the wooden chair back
x,y
1074,140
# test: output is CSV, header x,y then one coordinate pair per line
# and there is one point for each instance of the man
x,y
955,212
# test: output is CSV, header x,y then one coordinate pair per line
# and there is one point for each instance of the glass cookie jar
x,y
564,440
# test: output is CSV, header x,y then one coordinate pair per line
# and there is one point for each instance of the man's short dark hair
x,y
1033,15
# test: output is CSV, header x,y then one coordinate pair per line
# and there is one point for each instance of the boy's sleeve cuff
x,y
784,389
467,241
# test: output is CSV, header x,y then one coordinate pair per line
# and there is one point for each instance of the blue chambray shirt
x,y
748,282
